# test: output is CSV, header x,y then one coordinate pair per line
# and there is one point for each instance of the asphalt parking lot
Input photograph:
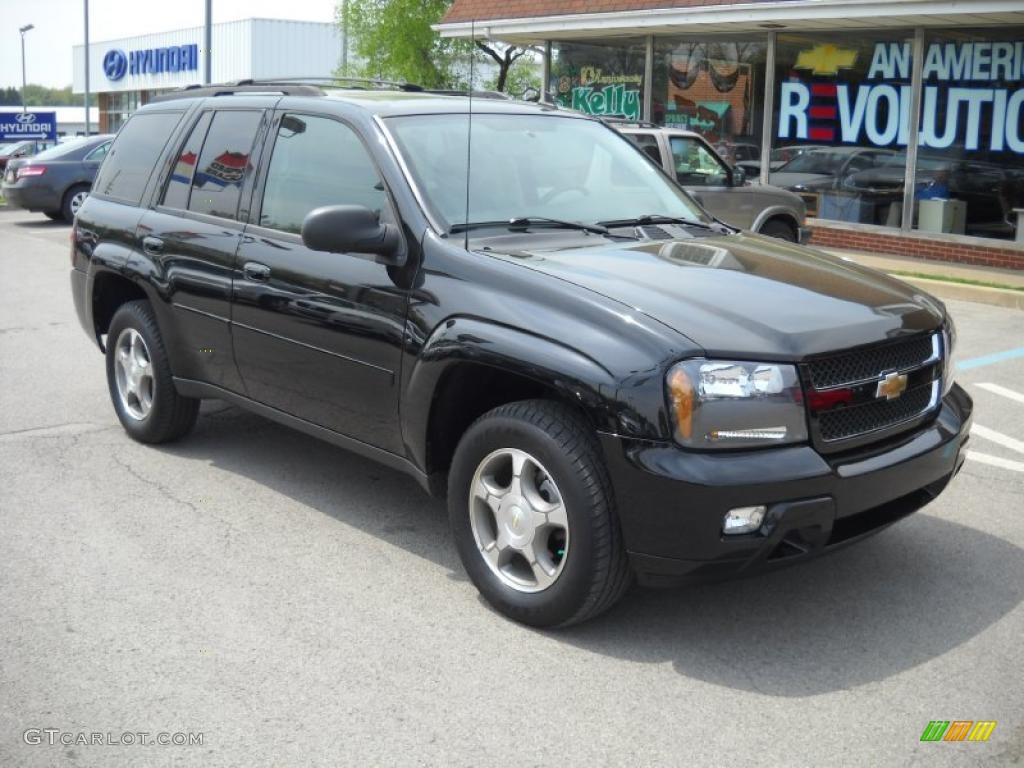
x,y
297,605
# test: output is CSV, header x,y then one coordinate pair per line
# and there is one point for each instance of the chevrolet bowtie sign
x,y
19,126
891,386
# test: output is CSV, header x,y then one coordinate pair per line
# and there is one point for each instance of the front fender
x,y
577,377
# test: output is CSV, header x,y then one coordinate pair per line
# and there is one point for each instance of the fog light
x,y
743,520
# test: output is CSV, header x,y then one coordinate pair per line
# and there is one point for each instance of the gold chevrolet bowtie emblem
x,y
826,59
892,386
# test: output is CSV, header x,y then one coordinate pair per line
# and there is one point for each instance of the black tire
x,y
779,229
171,416
596,570
54,215
65,206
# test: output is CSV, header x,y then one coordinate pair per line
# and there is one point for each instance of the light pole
x,y
208,42
23,30
86,67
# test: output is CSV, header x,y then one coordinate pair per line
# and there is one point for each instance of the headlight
x,y
949,355
729,404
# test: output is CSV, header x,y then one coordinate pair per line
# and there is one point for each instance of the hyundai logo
x,y
115,64
26,117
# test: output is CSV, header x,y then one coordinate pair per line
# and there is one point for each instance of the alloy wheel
x,y
133,372
519,520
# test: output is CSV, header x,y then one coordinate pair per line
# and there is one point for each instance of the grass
x,y
960,280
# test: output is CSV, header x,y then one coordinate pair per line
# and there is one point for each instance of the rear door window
x,y
134,154
180,184
648,144
224,163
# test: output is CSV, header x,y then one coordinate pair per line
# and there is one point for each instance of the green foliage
x,y
41,96
393,40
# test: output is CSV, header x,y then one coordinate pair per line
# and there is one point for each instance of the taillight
x,y
31,170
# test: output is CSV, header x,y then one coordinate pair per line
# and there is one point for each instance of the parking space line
x,y
996,389
988,359
995,357
997,437
995,461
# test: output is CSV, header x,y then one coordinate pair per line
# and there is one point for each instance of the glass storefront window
x,y
970,170
842,121
602,79
714,87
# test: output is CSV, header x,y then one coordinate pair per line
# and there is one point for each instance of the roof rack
x,y
629,121
289,86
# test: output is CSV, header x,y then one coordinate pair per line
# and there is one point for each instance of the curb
x,y
980,294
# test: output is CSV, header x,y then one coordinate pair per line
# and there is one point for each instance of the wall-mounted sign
x,y
18,126
973,97
150,61
597,93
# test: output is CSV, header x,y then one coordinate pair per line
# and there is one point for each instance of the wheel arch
x,y
777,213
469,366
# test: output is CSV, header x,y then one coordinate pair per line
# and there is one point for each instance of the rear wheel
x,y
780,229
139,377
533,517
73,200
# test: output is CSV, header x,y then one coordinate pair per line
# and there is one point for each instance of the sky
x,y
59,24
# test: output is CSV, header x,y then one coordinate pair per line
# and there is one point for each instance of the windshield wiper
x,y
653,218
520,223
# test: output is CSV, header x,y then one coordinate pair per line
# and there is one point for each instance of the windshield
x,y
532,165
9,146
816,161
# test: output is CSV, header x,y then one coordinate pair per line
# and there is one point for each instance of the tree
x,y
505,56
41,96
395,40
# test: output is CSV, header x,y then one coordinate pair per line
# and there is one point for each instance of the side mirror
x,y
352,229
739,176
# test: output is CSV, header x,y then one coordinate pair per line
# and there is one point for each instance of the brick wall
x,y
949,248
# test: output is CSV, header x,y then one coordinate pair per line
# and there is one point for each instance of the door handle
x,y
152,245
257,272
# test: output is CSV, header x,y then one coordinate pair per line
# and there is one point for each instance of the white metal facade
x,y
252,48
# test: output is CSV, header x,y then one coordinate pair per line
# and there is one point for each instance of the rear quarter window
x,y
133,156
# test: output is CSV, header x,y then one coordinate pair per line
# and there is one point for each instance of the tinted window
x,y
133,155
180,184
648,144
223,163
317,161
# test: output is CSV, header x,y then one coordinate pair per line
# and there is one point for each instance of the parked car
x,y
778,158
57,180
12,150
990,191
722,190
602,380
825,168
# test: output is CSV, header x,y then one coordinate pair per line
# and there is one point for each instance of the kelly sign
x,y
18,126
973,96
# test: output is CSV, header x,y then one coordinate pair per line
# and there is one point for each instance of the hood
x,y
788,180
744,295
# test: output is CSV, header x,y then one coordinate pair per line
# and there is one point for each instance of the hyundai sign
x,y
150,61
18,126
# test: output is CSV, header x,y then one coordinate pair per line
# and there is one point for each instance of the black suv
x,y
604,381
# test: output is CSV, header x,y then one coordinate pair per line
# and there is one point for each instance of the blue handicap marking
x,y
995,357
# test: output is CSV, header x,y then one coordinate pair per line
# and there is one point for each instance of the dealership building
x,y
822,93
127,73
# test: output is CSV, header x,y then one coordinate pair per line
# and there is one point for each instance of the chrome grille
x,y
864,365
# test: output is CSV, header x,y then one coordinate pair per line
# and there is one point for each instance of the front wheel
x,y
533,517
139,376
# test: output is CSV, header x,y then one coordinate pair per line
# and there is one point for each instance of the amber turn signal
x,y
682,394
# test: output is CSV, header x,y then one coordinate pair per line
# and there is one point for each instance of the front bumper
x,y
672,502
